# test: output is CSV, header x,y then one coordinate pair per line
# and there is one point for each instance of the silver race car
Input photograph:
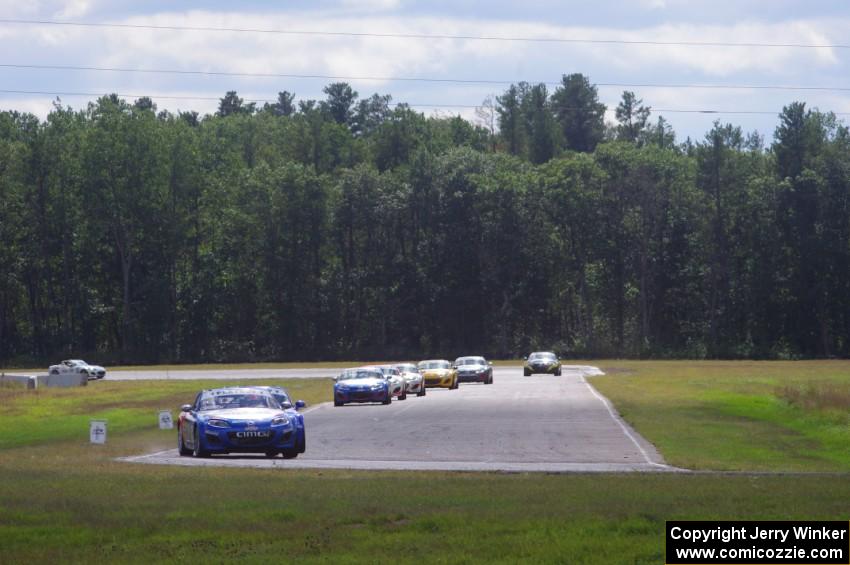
x,y
398,386
414,382
77,366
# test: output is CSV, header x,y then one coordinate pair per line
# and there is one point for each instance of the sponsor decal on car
x,y
252,434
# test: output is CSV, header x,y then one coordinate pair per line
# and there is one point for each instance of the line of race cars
x,y
382,383
436,372
264,419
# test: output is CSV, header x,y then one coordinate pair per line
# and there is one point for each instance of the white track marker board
x,y
97,431
165,420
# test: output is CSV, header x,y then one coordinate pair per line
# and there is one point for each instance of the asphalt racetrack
x,y
538,423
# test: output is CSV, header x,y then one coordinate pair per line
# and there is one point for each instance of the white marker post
x,y
165,420
97,431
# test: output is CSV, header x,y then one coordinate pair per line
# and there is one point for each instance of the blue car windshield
x,y
282,398
237,400
361,374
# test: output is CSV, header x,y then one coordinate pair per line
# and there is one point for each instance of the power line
x,y
727,86
426,36
414,79
412,105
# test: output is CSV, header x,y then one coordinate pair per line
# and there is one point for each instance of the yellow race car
x,y
438,373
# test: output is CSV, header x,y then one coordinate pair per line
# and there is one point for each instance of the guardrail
x,y
37,381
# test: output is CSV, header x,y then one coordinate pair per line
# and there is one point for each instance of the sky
x,y
374,64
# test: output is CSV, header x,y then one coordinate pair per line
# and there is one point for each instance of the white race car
x,y
398,386
412,377
77,366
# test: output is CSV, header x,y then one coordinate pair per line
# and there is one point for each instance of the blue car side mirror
x,y
299,404
186,408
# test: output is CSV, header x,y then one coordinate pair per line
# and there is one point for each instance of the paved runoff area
x,y
540,423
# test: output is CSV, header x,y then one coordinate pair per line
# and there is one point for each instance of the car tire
x,y
300,447
526,373
338,403
455,384
489,381
389,398
421,392
558,373
54,372
403,395
181,447
197,450
271,453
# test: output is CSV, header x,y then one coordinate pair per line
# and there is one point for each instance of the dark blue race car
x,y
240,420
364,384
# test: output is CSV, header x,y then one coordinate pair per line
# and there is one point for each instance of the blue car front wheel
x,y
300,447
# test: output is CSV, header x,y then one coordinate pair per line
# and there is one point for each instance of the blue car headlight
x,y
280,421
378,387
216,423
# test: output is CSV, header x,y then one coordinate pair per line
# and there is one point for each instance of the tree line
x,y
353,227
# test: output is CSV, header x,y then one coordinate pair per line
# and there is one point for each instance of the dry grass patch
x,y
817,396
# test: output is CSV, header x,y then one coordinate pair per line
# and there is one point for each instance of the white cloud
x,y
352,56
372,5
384,56
728,60
16,8
47,8
70,9
38,106
387,56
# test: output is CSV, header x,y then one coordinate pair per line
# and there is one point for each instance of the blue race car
x,y
364,384
239,420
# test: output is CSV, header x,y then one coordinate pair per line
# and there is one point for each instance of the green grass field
x,y
737,415
63,500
